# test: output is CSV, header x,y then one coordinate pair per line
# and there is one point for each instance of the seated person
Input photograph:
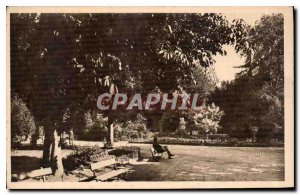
x,y
160,149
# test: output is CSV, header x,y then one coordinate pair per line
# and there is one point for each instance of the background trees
x,y
255,98
94,129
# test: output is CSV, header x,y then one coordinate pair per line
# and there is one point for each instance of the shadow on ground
x,y
196,163
21,164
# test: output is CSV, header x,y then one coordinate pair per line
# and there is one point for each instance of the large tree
x,y
62,62
43,74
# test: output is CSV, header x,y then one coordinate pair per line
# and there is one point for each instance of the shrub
x,y
174,140
233,142
131,129
170,121
129,151
82,156
119,133
22,121
95,129
207,118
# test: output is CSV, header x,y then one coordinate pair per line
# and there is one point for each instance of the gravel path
x,y
201,163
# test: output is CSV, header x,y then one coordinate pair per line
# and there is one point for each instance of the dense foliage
x,y
82,157
254,101
207,118
132,129
95,128
201,121
78,56
24,124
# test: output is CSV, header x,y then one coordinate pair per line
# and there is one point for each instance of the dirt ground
x,y
191,163
206,163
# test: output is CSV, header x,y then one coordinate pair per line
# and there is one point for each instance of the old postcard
x,y
150,97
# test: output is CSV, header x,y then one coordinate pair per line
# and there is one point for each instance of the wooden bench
x,y
110,163
112,174
39,173
155,155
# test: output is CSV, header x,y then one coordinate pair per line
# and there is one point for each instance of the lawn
x,y
191,163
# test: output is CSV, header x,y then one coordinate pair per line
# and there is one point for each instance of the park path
x,y
191,163
201,163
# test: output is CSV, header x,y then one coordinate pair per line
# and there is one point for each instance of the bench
x,y
38,173
155,155
110,163
112,174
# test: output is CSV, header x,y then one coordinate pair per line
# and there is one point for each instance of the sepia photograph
x,y
150,97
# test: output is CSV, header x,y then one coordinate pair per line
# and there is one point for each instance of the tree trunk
x,y
48,140
35,136
110,136
52,151
71,137
57,156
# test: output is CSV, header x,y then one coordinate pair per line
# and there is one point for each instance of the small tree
x,y
207,118
22,121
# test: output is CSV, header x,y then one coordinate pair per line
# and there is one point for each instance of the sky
x,y
224,65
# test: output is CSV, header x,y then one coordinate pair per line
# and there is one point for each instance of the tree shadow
x,y
28,147
22,164
144,172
